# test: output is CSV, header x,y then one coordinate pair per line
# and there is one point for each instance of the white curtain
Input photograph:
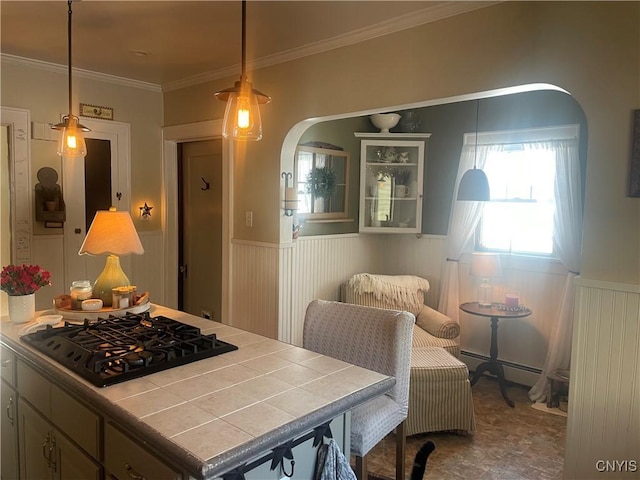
x,y
567,242
462,224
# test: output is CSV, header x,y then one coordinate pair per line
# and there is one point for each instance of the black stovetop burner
x,y
115,349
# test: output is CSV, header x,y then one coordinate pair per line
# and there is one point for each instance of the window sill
x,y
329,220
529,263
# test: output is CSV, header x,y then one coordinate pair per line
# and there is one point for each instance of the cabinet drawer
x,y
78,422
124,459
7,366
34,388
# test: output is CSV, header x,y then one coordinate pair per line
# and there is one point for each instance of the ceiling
x,y
174,43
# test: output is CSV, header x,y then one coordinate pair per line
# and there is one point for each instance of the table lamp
x,y
485,266
111,233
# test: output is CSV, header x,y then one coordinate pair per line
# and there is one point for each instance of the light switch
x,y
248,219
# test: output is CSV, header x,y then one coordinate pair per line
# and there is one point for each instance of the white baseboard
x,y
520,374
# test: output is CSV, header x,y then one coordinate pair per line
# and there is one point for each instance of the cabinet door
x,y
71,463
125,458
9,439
8,366
35,443
391,177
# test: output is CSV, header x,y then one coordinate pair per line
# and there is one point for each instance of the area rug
x,y
541,406
373,476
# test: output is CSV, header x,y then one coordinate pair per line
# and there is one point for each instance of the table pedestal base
x,y
496,369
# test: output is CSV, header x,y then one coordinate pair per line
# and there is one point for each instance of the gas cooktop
x,y
116,349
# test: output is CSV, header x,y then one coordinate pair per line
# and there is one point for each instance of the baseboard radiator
x,y
513,372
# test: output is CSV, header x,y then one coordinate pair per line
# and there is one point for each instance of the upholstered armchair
x,y
405,292
375,339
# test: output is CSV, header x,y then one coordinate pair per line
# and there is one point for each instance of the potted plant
x,y
321,184
21,282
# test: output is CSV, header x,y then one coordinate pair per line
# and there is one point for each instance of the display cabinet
x,y
391,181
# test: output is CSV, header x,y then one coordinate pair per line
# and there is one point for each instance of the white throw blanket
x,y
391,288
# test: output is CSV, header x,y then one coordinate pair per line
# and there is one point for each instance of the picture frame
x,y
96,111
634,167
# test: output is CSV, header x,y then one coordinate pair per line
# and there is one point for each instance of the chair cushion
x,y
372,421
422,338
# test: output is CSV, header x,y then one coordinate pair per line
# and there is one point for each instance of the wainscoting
x,y
604,390
254,279
273,284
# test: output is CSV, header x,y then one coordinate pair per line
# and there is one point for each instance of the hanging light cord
x,y
475,153
69,53
243,73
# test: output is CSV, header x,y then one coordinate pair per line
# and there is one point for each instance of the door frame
x,y
20,217
191,132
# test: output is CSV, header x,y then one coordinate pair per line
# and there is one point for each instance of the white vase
x,y
318,205
22,308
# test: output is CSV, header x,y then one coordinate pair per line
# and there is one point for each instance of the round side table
x,y
495,312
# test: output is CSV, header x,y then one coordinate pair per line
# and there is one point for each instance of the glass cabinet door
x,y
391,185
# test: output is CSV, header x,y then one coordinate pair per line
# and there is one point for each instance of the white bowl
x,y
385,121
92,304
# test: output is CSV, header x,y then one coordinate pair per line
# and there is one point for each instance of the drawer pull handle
x,y
10,410
132,473
44,451
52,452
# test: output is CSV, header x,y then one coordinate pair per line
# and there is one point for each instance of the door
x,y
99,181
35,443
200,228
9,429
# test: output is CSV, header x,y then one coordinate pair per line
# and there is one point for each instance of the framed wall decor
x,y
96,111
634,168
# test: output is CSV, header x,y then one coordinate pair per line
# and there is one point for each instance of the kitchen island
x,y
202,419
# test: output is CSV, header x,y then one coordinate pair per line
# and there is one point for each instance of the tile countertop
x,y
209,416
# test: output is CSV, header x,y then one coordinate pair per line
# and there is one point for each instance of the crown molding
x,y
78,72
426,15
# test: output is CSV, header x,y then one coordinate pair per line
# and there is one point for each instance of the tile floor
x,y
509,443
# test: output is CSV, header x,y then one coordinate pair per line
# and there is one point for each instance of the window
x,y
522,175
322,182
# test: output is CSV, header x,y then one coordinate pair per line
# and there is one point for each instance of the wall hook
x,y
207,185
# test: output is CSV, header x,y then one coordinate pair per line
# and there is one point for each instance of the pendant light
x,y
474,184
71,143
242,115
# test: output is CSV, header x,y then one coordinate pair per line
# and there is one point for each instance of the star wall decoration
x,y
145,211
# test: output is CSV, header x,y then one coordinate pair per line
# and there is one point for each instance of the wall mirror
x,y
322,181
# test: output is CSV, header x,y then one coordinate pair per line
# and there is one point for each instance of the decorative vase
x,y
318,205
22,308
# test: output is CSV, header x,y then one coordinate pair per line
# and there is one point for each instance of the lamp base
x,y
484,294
112,276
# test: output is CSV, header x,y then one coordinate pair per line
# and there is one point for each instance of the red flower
x,y
24,279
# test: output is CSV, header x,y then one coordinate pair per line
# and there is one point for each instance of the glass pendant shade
x,y
71,142
242,116
474,186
